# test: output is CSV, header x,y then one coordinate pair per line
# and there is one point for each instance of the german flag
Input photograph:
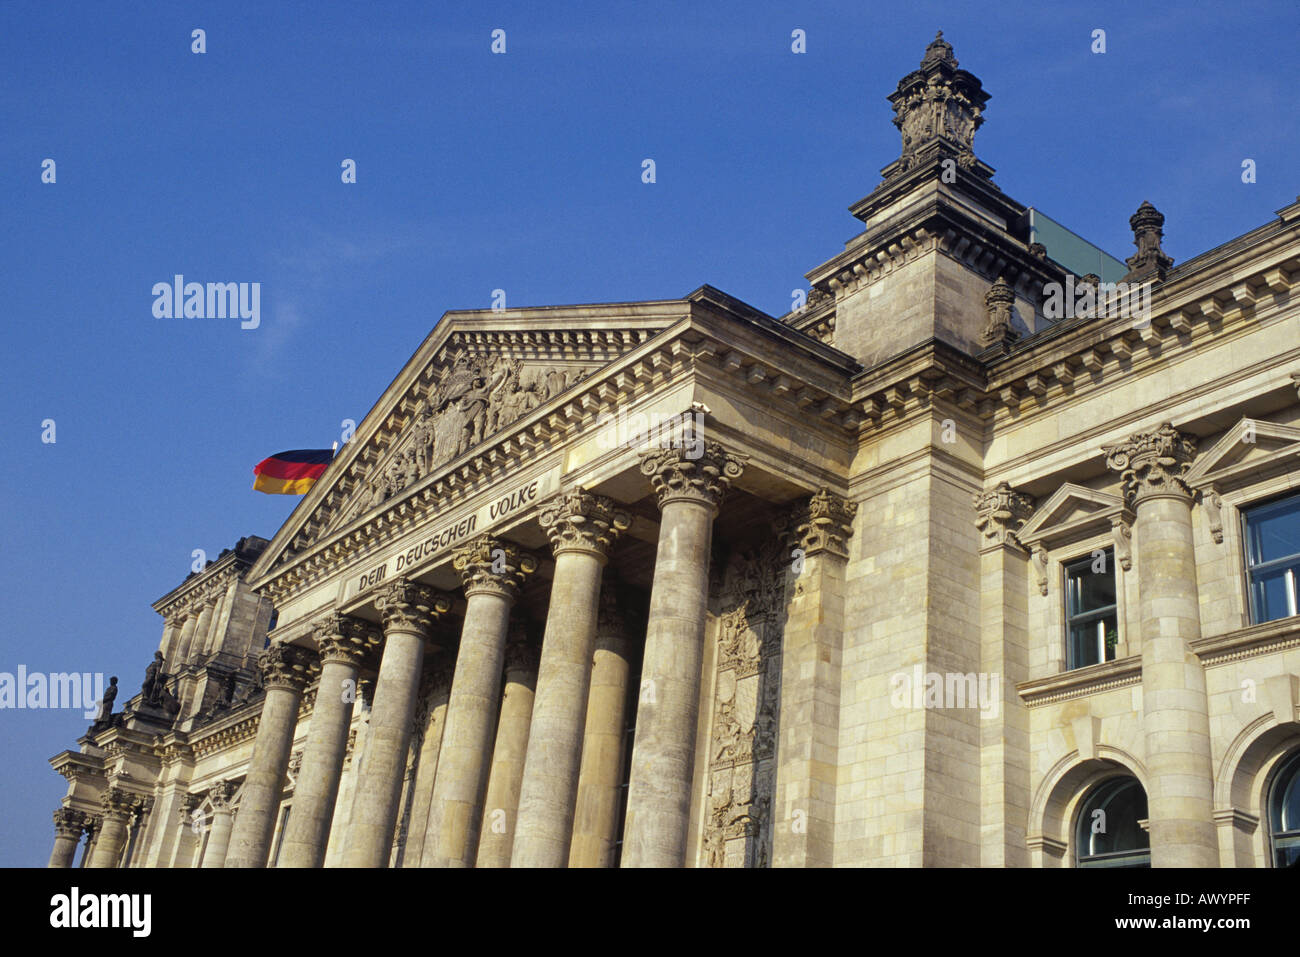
x,y
291,473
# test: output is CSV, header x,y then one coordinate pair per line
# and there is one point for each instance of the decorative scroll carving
x,y
1153,463
345,638
1123,544
222,795
69,822
1040,568
742,744
286,666
120,804
676,476
1212,502
407,606
580,521
1001,512
494,566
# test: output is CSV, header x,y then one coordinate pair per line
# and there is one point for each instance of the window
x,y
279,835
1273,559
1091,619
1284,813
1108,833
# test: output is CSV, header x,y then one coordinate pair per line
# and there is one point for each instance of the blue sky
x,y
475,172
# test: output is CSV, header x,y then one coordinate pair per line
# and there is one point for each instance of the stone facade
x,y
679,583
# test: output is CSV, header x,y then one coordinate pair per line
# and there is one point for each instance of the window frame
x,y
1288,768
1248,570
1068,619
1111,858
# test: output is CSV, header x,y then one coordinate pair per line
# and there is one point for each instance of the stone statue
x,y
106,706
154,681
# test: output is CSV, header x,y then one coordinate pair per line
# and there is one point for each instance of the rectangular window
x,y
279,835
1091,619
1273,559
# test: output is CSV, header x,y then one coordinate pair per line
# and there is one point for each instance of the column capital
x,y
1152,464
187,805
286,666
345,638
821,523
221,794
408,606
493,566
692,474
69,822
1000,513
579,521
119,804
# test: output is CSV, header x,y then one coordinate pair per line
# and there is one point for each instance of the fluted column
x,y
493,573
119,807
600,777
816,534
343,644
501,804
223,821
171,629
68,826
439,690
582,528
1175,706
286,670
690,492
199,640
408,611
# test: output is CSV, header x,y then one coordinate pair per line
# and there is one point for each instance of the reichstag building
x,y
984,555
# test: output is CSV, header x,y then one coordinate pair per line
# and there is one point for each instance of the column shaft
x,y
223,822
501,803
600,778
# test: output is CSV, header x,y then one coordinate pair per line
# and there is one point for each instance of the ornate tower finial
x,y
1150,262
937,109
998,304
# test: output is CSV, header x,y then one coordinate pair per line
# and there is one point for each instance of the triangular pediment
x,y
1246,452
478,376
1072,511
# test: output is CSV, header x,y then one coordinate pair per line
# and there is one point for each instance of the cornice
x,y
1080,682
1249,642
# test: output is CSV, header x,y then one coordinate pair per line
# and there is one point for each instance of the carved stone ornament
x,y
1150,261
676,476
1212,502
344,638
407,606
999,302
1040,568
937,109
222,794
119,804
474,397
286,666
1001,512
493,566
1153,463
69,822
823,523
580,521
1123,544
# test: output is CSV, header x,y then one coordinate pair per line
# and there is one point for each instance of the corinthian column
x,y
409,611
501,804
493,572
223,821
119,807
690,492
285,672
439,685
582,528
68,825
1175,707
343,643
816,536
600,779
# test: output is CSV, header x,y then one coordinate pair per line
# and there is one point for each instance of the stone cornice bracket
x,y
345,638
823,523
222,794
69,822
1153,463
998,304
693,475
493,566
405,605
1150,261
286,666
1001,512
580,521
120,804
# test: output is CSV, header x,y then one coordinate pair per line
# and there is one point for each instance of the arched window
x,y
1107,833
1284,813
